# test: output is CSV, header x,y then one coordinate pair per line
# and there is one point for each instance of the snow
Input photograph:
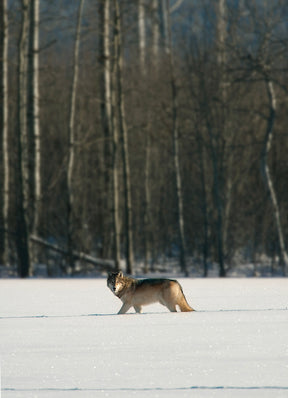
x,y
62,338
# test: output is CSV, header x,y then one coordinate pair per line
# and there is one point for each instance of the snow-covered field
x,y
61,338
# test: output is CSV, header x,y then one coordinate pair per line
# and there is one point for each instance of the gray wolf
x,y
138,292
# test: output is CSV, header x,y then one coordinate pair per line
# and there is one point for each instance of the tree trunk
x,y
115,178
222,34
108,265
227,134
106,116
34,121
124,145
115,152
4,255
217,189
205,247
175,132
218,203
22,239
219,221
266,170
115,209
142,36
147,204
105,75
217,183
155,32
71,138
166,28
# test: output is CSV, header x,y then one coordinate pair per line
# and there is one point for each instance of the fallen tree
x,y
108,265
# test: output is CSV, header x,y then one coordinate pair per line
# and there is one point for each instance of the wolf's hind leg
x,y
171,307
138,309
183,305
125,307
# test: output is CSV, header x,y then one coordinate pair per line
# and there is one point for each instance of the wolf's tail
x,y
183,305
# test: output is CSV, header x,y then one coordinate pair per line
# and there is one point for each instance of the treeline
x,y
142,130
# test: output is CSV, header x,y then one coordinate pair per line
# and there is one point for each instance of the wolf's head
x,y
115,281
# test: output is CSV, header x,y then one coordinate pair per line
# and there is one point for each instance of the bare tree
x,y
204,201
4,124
222,34
37,136
71,137
266,169
176,155
22,239
115,152
115,183
217,133
34,119
106,112
105,61
160,18
260,67
147,200
124,142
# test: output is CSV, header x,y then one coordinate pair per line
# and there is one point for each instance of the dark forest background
x,y
200,95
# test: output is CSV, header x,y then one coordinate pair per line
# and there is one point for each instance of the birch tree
x,y
71,138
4,124
115,151
115,179
22,238
34,118
267,144
260,67
105,63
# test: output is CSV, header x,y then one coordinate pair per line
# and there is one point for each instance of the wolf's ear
x,y
120,273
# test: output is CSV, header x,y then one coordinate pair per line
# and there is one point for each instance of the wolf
x,y
138,292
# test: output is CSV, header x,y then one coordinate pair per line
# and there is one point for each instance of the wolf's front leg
x,y
125,307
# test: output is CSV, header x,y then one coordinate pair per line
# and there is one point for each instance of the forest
x,y
136,132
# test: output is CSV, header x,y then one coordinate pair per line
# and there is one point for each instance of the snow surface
x,y
61,338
